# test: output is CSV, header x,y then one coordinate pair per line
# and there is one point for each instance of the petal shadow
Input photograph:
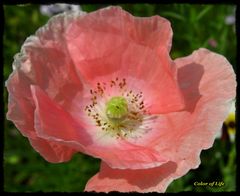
x,y
189,77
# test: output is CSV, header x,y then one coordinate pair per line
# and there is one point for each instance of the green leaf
x,y
173,15
203,12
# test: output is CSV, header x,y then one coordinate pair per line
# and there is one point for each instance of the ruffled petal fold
x,y
208,84
51,121
126,155
52,151
142,180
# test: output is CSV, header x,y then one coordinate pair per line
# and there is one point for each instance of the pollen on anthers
x,y
116,109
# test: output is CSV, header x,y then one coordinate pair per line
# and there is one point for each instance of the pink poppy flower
x,y
104,84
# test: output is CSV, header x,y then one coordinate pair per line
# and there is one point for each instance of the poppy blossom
x,y
103,84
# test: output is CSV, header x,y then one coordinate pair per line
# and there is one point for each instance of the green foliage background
x,y
193,26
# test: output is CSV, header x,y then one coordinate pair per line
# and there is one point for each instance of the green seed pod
x,y
117,109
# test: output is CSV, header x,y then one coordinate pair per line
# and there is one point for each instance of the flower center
x,y
117,109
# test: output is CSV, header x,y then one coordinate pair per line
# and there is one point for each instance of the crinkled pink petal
x,y
43,56
141,180
20,104
44,60
125,155
52,151
145,65
209,86
95,32
51,121
53,71
121,49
